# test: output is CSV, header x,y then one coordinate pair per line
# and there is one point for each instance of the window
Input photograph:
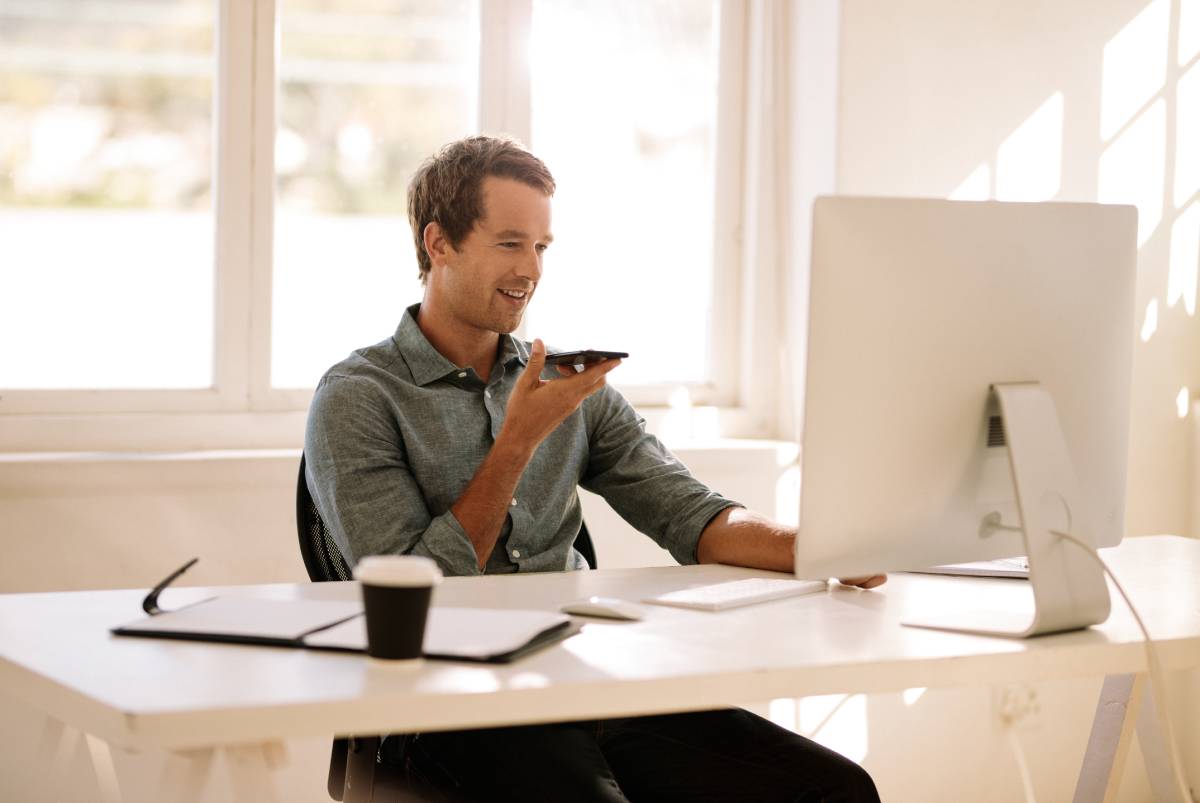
x,y
352,77
105,194
624,110
203,201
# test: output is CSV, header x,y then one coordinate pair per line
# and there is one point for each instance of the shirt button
x,y
516,553
462,374
514,502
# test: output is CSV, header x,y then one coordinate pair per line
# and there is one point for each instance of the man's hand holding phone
x,y
537,406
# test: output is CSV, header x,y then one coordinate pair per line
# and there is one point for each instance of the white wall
x,y
107,520
935,92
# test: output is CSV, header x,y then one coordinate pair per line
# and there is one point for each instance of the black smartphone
x,y
583,356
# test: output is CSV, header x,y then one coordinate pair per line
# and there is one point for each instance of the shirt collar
x,y
513,351
427,363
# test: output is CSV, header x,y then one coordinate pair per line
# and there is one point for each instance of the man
x,y
452,440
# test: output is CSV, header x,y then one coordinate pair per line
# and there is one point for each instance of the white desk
x,y
56,653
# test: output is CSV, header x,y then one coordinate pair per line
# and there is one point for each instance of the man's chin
x,y
507,324
508,327
499,320
503,325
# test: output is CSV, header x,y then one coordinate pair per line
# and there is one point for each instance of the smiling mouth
x,y
514,295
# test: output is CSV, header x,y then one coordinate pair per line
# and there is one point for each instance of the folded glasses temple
x,y
150,603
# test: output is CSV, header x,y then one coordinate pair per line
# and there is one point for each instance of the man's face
x,y
491,276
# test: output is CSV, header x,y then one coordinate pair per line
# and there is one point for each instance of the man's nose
x,y
530,266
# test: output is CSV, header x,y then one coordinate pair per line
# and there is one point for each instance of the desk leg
x,y
1112,733
250,768
1156,753
57,747
106,772
1126,702
184,776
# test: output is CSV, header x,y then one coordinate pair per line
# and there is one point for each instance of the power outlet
x,y
1016,706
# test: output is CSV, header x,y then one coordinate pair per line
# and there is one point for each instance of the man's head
x,y
448,187
480,212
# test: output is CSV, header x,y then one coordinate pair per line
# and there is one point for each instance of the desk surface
x,y
57,654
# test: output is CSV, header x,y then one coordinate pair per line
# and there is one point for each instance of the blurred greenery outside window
x,y
106,150
367,90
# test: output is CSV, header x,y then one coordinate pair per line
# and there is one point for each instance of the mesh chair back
x,y
322,558
583,543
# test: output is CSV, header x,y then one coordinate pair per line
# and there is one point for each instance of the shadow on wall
x,y
1095,101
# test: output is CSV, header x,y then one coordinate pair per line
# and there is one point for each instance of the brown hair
x,y
447,187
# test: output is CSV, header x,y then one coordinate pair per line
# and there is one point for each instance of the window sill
x,y
136,433
24,473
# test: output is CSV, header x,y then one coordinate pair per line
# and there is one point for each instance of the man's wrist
x,y
513,450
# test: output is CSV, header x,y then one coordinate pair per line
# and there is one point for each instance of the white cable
x,y
1026,780
1158,684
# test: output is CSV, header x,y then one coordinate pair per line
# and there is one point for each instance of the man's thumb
x,y
537,361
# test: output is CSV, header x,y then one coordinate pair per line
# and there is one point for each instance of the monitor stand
x,y
1069,592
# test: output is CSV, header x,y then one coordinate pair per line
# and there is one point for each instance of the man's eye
x,y
508,245
541,247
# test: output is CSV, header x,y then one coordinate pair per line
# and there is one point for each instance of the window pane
x,y
624,101
369,88
106,277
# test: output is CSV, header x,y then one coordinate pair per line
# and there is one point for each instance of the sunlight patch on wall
x,y
1131,169
1189,30
1135,66
838,721
1029,162
1185,259
782,712
1150,323
1187,135
975,187
912,695
1181,402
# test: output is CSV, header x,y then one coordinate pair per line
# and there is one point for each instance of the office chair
x,y
355,773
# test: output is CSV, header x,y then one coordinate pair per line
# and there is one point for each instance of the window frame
x,y
246,57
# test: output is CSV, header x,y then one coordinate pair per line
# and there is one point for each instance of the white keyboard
x,y
735,593
1003,567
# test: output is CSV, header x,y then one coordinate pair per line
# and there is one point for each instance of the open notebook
x,y
464,634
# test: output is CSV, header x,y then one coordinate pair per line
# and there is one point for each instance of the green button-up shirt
x,y
396,432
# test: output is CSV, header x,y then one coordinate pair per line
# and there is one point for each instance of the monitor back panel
x,y
917,307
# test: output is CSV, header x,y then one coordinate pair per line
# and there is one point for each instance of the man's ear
x,y
437,246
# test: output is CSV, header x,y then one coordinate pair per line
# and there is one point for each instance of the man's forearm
x,y
484,504
741,537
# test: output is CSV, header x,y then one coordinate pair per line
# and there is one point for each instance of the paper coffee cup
x,y
396,591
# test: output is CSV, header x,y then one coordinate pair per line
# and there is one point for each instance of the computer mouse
x,y
604,608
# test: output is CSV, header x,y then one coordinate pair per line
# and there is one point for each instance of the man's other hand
x,y
864,582
537,406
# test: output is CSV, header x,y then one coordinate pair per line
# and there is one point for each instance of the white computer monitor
x,y
958,351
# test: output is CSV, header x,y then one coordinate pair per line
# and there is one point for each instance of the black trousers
x,y
725,755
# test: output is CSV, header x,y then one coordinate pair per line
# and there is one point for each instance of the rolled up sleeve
x,y
363,487
642,481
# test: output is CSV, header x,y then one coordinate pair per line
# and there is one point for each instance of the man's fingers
x,y
590,378
537,361
864,582
594,370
